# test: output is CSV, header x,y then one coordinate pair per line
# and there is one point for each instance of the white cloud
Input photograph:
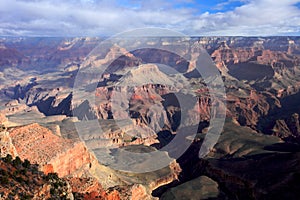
x,y
257,17
105,17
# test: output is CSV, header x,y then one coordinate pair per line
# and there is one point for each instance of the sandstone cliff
x,y
51,152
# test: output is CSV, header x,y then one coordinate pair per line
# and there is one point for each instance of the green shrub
x,y
17,162
26,163
52,191
25,197
8,158
19,179
52,176
4,180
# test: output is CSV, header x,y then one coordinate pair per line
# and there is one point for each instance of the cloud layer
x,y
106,17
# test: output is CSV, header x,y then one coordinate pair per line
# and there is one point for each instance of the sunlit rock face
x,y
53,153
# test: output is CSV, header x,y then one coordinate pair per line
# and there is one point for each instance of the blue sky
x,y
201,5
108,17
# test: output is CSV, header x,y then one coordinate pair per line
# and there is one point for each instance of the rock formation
x,y
51,152
138,107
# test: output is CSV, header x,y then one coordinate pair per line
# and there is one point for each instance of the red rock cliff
x,y
53,153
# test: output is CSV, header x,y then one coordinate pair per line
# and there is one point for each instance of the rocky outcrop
x,y
172,176
73,159
249,108
51,101
6,145
139,192
90,188
53,153
288,129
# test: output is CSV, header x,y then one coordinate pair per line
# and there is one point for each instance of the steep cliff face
x,y
53,153
248,110
73,159
224,55
49,101
283,121
172,176
243,62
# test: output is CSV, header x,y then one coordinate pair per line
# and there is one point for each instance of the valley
x,y
143,123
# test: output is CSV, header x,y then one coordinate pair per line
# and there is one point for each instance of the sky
x,y
109,17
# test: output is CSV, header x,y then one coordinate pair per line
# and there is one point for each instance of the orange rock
x,y
138,192
114,195
53,153
48,168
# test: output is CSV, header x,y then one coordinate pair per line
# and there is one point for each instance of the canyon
x,y
129,124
